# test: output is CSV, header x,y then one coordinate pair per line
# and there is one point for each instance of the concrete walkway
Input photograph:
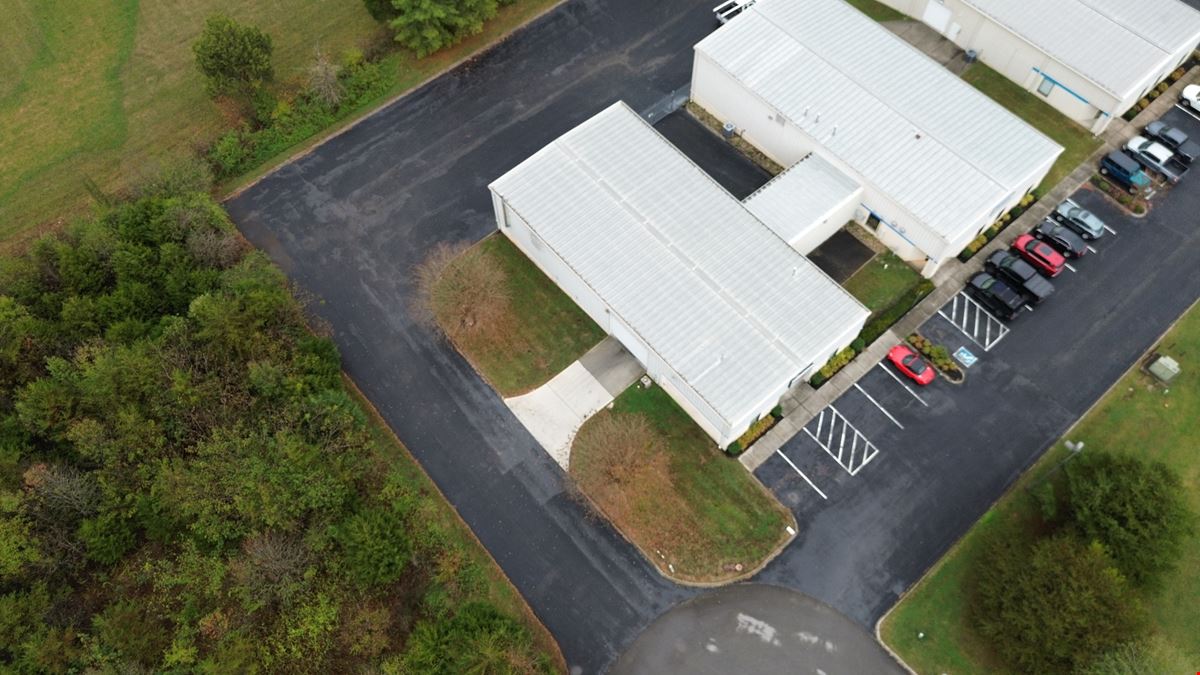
x,y
554,411
804,403
931,42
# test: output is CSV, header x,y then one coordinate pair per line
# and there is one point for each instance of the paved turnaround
x,y
350,221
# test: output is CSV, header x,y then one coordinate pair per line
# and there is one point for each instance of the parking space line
x,y
797,470
1092,249
1029,308
1068,266
962,320
902,384
881,408
1187,110
1110,230
869,451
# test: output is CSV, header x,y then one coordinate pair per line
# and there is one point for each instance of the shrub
x,y
107,537
375,546
735,448
382,11
1139,208
1143,104
1050,606
232,57
1133,507
1103,185
858,344
1178,74
229,154
323,80
777,412
425,26
1162,88
1125,199
464,289
838,362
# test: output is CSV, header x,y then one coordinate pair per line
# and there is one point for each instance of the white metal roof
x,y
724,301
1116,44
909,127
801,197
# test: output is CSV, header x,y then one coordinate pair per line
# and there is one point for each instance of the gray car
x,y
1079,219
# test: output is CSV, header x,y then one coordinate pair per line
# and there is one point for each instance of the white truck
x,y
730,8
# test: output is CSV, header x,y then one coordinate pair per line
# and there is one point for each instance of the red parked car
x,y
1039,254
909,362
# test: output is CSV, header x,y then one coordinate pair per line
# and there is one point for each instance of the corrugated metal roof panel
x,y
1113,43
723,300
941,149
797,199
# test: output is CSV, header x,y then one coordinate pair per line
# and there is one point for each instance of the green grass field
x,y
877,10
1078,143
106,91
882,281
1136,417
698,513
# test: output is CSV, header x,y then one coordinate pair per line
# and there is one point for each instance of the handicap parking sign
x,y
965,357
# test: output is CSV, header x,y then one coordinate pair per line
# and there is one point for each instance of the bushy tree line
x,y
1068,597
425,26
186,485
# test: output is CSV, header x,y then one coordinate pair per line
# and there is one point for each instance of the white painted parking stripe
x,y
1068,266
1029,308
1092,249
797,470
1187,110
1110,230
881,408
902,384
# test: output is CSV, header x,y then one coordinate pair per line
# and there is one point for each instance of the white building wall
x,y
1025,64
828,224
730,101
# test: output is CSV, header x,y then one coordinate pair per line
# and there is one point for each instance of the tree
x,y
323,79
1135,508
1051,606
375,546
233,58
426,26
1150,657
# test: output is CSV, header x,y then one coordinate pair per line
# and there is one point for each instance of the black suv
x,y
1010,269
1061,237
995,296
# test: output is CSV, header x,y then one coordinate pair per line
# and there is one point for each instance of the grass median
x,y
930,628
693,511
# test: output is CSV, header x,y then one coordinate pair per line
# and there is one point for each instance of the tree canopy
x,y
186,485
426,26
233,58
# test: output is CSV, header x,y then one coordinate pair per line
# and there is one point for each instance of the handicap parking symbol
x,y
965,357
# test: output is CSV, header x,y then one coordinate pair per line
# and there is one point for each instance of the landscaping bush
x,y
1052,605
835,364
1162,88
1178,74
425,26
882,320
463,289
1132,507
233,58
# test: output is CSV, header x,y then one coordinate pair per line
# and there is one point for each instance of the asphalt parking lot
x,y
892,478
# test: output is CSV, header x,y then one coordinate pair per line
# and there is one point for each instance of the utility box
x,y
1165,369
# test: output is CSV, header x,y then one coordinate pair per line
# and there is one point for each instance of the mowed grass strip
x,y
1078,143
877,10
107,91
691,509
882,281
540,332
1136,417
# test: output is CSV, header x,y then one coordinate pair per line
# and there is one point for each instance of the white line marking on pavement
x,y
902,384
1110,230
1029,308
1187,110
797,470
881,408
1092,249
1069,267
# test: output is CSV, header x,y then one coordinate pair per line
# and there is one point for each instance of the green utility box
x,y
1165,369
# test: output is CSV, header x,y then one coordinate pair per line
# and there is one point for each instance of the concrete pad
x,y
554,411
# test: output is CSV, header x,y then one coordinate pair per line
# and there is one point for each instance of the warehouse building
x,y
1091,59
937,161
723,313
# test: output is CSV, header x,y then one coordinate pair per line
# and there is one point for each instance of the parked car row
x,y
1160,149
1021,275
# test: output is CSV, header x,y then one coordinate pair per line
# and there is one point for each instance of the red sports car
x,y
909,362
1039,254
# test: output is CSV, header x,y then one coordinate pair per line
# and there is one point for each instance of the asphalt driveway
x,y
350,221
879,530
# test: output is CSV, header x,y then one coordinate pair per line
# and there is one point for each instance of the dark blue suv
x,y
1125,170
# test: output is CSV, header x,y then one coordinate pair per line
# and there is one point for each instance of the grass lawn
x,y
107,91
877,10
1078,143
498,589
692,510
545,332
882,281
1134,417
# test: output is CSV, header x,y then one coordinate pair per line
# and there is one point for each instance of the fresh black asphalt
x,y
350,221
881,529
841,255
720,160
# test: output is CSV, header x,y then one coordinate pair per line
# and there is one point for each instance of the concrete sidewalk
x,y
803,403
554,411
